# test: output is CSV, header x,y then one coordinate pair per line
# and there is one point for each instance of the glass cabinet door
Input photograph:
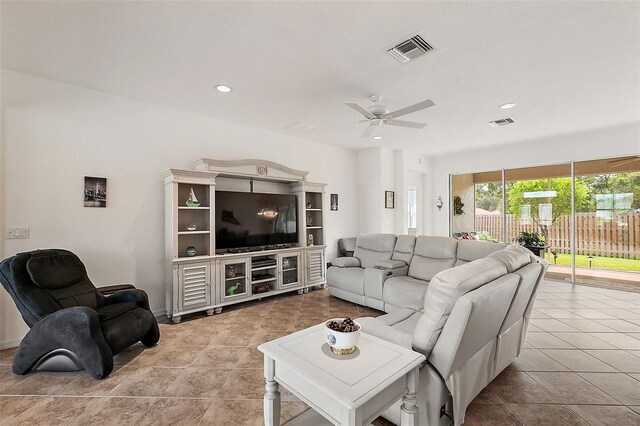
x,y
289,270
234,277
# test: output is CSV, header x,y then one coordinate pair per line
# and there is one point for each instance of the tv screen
x,y
249,220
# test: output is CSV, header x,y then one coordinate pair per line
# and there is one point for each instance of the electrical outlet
x,y
17,233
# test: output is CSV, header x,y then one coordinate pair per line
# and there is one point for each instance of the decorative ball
x,y
191,251
192,226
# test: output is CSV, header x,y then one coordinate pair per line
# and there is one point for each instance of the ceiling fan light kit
x,y
378,114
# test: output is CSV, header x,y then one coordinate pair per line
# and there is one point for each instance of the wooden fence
x,y
616,237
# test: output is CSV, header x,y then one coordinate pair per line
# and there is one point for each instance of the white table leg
x,y
271,394
409,410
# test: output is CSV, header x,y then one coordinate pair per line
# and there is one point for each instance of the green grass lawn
x,y
611,263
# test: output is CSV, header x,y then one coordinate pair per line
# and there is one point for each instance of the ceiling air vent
x,y
409,50
300,127
502,122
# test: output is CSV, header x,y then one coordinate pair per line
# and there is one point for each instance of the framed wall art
x,y
389,199
95,191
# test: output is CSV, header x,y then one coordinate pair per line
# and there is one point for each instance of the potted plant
x,y
533,241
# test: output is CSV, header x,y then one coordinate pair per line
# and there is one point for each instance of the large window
x,y
539,206
412,210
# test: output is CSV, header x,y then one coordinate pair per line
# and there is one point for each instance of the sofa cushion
x,y
470,250
403,250
403,291
378,328
347,279
432,255
371,248
346,262
443,292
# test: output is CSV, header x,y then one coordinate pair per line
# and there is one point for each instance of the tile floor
x,y
580,365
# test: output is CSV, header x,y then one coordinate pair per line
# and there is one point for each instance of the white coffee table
x,y
345,389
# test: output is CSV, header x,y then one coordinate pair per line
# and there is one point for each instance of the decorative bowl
x,y
341,343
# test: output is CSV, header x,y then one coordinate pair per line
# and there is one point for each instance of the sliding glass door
x,y
583,213
608,222
539,209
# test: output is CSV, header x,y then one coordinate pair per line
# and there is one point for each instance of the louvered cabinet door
x,y
195,285
315,267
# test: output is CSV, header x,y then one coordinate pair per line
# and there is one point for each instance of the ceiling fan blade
x,y
408,110
368,131
362,110
401,123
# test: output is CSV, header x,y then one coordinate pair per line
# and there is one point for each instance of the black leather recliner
x,y
73,326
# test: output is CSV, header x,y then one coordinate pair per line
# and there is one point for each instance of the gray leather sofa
x,y
387,271
467,311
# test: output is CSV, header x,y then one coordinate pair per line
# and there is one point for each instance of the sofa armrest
x,y
76,329
390,264
374,279
346,262
110,289
134,295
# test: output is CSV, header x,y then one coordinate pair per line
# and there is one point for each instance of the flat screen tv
x,y
252,220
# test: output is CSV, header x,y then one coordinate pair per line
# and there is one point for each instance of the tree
x,y
561,204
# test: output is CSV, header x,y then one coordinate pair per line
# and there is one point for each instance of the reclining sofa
x,y
388,272
467,310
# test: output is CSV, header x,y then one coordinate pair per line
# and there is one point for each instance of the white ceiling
x,y
570,66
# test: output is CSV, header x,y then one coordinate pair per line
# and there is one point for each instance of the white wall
x,y
376,174
54,134
380,170
599,143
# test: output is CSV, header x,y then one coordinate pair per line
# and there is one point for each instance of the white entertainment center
x,y
202,277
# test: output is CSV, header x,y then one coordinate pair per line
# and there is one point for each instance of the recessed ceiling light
x,y
377,137
222,88
507,105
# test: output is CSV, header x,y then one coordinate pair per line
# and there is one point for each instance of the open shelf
x,y
193,208
200,241
201,192
314,227
264,280
314,210
235,277
264,267
192,232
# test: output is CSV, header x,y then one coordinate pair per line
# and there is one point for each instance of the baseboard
x,y
159,313
7,344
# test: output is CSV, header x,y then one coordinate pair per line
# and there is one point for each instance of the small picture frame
x,y
334,202
95,191
389,199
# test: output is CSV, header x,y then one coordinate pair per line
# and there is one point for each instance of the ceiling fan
x,y
622,161
378,114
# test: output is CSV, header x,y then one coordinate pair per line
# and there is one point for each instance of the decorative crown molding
x,y
260,169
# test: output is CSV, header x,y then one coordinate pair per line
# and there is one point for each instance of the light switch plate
x,y
17,233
